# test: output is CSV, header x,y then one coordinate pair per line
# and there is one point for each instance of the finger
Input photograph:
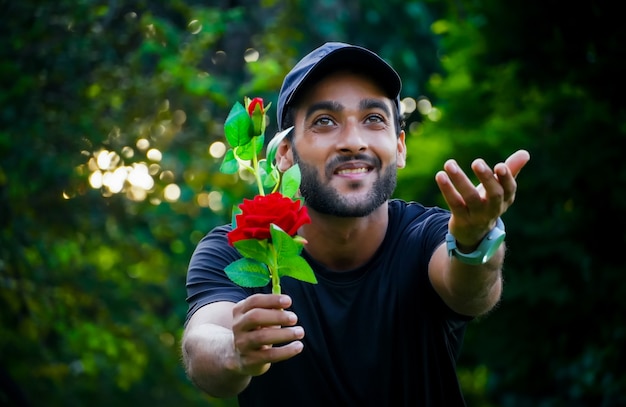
x,y
258,348
270,336
507,181
492,191
257,362
280,353
517,161
268,301
450,194
507,172
460,180
260,317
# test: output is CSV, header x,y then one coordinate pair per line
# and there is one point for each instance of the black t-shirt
x,y
378,335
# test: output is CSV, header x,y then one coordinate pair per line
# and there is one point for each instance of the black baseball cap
x,y
331,57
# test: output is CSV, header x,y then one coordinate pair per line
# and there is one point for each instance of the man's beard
x,y
325,199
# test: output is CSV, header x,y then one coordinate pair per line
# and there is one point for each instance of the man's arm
x,y
467,289
208,351
225,344
474,289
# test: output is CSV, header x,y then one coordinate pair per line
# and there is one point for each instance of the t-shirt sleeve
x,y
206,280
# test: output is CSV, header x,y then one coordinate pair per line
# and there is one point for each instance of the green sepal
x,y
229,165
258,120
248,273
254,249
238,127
290,182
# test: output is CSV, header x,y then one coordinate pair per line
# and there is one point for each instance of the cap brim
x,y
353,59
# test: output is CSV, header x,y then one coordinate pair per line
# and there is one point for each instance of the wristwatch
x,y
485,249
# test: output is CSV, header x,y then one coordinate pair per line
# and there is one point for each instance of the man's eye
x,y
324,121
375,118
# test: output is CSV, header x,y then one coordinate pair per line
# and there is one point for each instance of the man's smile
x,y
352,171
353,168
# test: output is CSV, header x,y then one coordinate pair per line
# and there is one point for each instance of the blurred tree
x,y
541,77
108,113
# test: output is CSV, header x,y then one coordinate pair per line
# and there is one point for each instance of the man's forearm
x,y
210,360
477,288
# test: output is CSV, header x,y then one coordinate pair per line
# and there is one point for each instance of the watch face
x,y
491,243
486,249
493,247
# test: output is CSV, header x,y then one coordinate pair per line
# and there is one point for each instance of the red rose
x,y
256,216
252,105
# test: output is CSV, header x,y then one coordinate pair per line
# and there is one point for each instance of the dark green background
x,y
92,295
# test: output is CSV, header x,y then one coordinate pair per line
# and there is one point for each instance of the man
x,y
397,281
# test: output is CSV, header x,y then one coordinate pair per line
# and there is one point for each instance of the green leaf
x,y
238,127
229,165
272,147
248,150
284,245
266,165
268,175
298,268
248,273
253,248
291,181
288,258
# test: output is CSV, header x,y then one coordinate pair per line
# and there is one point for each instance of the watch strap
x,y
485,250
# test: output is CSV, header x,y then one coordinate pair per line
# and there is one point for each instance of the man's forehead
x,y
343,84
381,103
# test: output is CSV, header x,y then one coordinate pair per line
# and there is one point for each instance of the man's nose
x,y
351,137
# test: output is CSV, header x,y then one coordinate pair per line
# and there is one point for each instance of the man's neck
x,y
344,244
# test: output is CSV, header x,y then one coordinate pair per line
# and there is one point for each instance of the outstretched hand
x,y
475,208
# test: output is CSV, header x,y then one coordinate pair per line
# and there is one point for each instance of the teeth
x,y
352,171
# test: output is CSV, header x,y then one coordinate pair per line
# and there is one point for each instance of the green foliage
x,y
288,262
263,258
291,181
255,249
512,81
248,272
238,128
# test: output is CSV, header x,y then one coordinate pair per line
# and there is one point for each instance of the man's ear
x,y
284,155
401,152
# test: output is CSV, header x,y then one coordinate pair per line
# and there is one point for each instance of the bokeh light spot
x,y
171,193
251,55
217,149
215,201
154,155
424,106
143,144
407,106
194,26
